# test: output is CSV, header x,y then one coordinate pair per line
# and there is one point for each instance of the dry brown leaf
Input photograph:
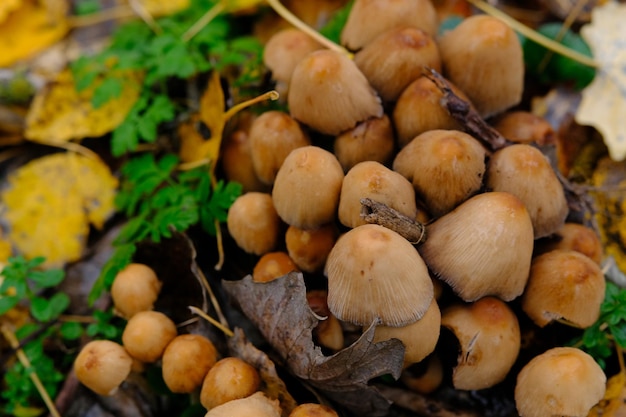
x,y
27,30
59,113
280,311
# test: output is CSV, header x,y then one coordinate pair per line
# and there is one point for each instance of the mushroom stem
x,y
293,19
224,329
383,215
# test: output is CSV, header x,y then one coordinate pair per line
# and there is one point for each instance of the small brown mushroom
x,y
525,172
483,57
373,180
313,410
257,405
446,167
564,284
254,223
309,248
307,187
375,274
395,58
489,340
424,377
135,288
562,381
229,379
147,334
186,361
273,265
525,127
573,236
483,247
329,332
237,162
102,365
370,18
330,94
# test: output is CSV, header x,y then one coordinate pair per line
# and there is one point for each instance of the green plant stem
x,y
203,21
9,335
224,329
534,35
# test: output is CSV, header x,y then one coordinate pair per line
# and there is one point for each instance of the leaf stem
x,y
15,344
203,21
295,21
534,35
224,329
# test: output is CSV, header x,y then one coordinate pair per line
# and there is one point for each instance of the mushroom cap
x,y
564,284
525,127
307,188
257,405
525,172
484,58
273,265
102,365
285,49
237,162
186,361
562,381
309,248
483,247
229,379
273,135
370,140
373,180
370,18
328,93
445,166
489,338
147,334
134,289
395,58
254,223
374,273
574,236
419,338
313,410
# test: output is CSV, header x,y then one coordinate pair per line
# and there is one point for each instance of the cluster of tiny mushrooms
x,y
404,206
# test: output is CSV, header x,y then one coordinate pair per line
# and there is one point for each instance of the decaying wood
x,y
378,213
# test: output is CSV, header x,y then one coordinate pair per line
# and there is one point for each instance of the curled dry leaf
x,y
604,101
280,311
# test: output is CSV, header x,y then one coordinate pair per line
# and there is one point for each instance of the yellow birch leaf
x,y
158,8
193,146
612,405
8,6
603,104
59,113
50,202
28,30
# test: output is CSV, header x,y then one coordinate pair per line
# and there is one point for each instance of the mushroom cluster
x,y
497,245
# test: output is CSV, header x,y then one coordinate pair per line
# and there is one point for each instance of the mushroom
x,y
134,289
273,265
370,18
307,187
375,274
562,381
370,140
237,162
309,248
373,180
147,334
483,247
253,223
564,284
257,405
328,93
102,365
313,410
273,135
328,332
483,57
283,51
525,172
186,361
525,127
419,338
445,167
489,342
424,377
418,110
573,236
395,58
229,379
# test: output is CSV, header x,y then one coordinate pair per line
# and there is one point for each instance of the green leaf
x,y
332,29
48,278
7,303
122,256
108,89
71,330
125,138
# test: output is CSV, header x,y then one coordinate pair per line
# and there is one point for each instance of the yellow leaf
x,y
29,30
233,6
158,8
612,405
59,113
8,6
50,202
603,104
193,146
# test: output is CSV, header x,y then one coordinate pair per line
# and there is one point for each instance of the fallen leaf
x,y
27,30
59,113
281,312
158,8
614,402
50,202
603,102
7,7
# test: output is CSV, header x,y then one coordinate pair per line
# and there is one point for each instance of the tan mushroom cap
x,y
525,172
374,273
229,379
562,381
525,127
395,58
564,284
419,338
309,248
370,140
313,410
102,365
135,288
257,405
186,361
370,18
328,93
483,57
483,247
373,180
489,337
254,223
307,188
574,236
445,167
147,334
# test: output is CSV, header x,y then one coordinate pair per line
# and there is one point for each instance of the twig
x,y
214,302
113,13
383,215
224,329
203,21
